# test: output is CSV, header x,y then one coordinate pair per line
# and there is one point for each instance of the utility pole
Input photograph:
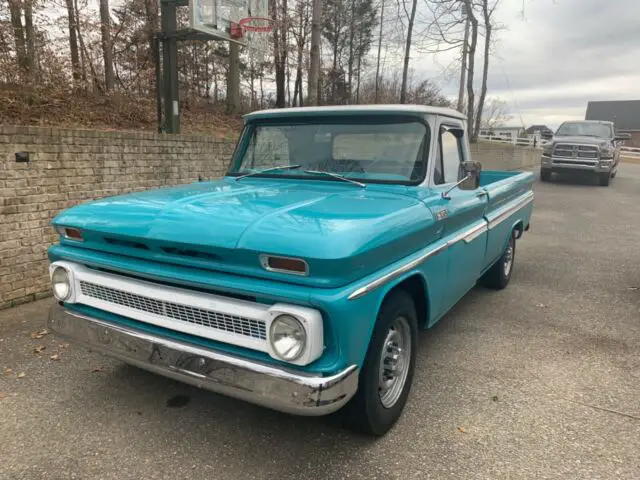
x,y
463,66
169,23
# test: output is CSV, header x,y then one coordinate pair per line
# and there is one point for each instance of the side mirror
x,y
470,172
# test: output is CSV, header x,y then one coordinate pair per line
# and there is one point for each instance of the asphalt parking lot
x,y
541,380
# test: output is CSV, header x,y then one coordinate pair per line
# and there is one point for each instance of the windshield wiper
x,y
266,170
335,175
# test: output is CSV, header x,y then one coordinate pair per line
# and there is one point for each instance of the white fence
x,y
630,152
530,141
539,143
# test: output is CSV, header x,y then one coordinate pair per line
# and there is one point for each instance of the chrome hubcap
x,y
508,260
394,362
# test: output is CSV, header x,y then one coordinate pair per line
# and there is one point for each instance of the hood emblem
x,y
442,214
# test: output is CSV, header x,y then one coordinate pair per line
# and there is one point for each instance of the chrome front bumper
x,y
266,385
562,164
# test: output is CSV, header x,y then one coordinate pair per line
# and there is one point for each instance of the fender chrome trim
x,y
396,273
264,384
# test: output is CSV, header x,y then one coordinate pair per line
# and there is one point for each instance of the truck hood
x,y
342,231
579,140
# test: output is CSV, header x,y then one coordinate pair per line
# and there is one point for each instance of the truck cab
x,y
583,146
300,279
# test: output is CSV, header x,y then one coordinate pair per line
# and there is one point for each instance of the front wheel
x,y
545,175
387,373
498,276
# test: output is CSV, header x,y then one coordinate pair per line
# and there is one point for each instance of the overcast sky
x,y
562,54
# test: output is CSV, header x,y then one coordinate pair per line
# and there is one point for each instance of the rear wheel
x,y
604,179
498,276
545,175
387,373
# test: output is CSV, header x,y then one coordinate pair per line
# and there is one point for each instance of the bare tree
x,y
379,51
300,30
73,40
314,52
18,34
487,14
233,79
495,114
471,69
107,49
30,36
463,65
279,17
407,48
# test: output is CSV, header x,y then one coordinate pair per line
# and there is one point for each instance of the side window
x,y
268,147
449,157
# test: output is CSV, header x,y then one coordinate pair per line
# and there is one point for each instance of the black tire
x,y
366,412
497,277
604,179
545,175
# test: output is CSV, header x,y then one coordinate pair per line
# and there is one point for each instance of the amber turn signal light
x,y
294,266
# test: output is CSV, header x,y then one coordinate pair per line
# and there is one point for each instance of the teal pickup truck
x,y
300,279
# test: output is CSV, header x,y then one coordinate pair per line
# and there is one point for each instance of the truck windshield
x,y
391,150
584,129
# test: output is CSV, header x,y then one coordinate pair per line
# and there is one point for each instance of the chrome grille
x,y
197,316
575,151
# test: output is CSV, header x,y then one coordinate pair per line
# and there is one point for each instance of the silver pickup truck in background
x,y
583,146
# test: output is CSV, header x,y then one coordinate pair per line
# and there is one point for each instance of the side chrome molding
x,y
467,236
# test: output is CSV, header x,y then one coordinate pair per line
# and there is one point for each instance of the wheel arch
x,y
416,285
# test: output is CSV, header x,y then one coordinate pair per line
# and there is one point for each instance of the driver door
x,y
461,213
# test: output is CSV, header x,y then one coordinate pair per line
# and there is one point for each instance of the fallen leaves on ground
x,y
64,345
494,398
1,396
540,305
39,333
55,357
633,288
462,430
7,371
97,369
39,348
21,375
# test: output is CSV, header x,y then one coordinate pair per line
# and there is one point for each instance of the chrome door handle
x,y
481,194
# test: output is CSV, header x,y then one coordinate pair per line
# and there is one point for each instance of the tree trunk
x,y
407,52
279,57
358,68
18,35
314,53
233,79
485,67
31,38
73,41
288,82
379,52
151,13
470,72
352,19
463,66
261,86
107,50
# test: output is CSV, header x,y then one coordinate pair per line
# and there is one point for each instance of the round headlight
x,y
61,284
288,337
